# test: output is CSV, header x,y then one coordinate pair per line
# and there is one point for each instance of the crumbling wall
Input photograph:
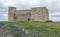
x,y
23,15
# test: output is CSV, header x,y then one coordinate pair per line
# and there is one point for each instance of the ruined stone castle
x,y
33,14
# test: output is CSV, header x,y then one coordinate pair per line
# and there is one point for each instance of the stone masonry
x,y
33,14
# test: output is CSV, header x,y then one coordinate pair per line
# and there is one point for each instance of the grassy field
x,y
46,28
38,26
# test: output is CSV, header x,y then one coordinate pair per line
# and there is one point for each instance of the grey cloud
x,y
23,7
2,12
4,18
55,15
2,8
26,5
53,6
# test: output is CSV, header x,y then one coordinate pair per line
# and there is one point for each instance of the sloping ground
x,y
31,29
13,30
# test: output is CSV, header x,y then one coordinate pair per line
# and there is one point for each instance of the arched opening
x,y
28,19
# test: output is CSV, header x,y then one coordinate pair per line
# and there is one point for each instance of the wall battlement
x,y
33,14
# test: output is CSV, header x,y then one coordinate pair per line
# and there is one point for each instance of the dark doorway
x,y
28,19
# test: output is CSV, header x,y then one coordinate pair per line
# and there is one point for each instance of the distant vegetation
x,y
3,23
49,21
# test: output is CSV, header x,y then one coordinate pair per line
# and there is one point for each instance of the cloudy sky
x,y
52,5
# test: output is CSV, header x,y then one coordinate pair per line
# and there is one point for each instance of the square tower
x,y
11,12
39,14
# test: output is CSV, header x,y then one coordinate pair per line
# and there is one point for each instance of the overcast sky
x,y
52,5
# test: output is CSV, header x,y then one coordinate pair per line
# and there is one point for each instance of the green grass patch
x,y
46,29
39,26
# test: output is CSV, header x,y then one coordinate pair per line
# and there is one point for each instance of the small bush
x,y
49,21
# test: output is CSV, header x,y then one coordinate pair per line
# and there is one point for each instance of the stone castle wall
x,y
23,15
34,14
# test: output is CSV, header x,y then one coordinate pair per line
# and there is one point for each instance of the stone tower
x,y
39,14
11,14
